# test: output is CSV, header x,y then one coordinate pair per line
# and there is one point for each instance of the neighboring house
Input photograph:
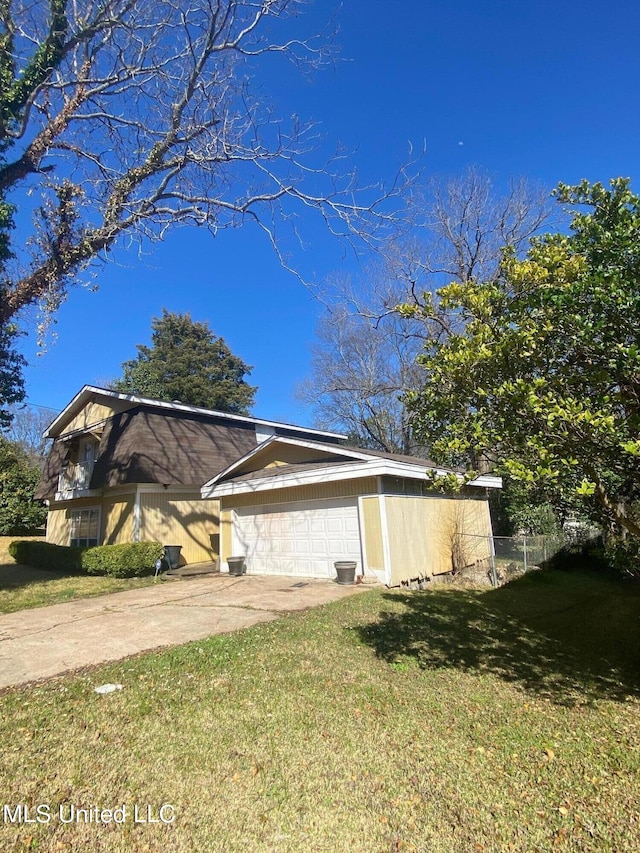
x,y
125,469
292,500
294,506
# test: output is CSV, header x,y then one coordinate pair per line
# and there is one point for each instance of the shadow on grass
x,y
13,576
567,636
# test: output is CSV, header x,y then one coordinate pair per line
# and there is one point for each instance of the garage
x,y
300,539
295,507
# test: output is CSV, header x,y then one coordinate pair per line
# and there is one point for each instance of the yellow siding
x,y
174,519
57,527
285,454
435,525
371,527
319,491
94,413
117,520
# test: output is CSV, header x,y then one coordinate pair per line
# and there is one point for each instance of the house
x,y
294,506
292,500
125,469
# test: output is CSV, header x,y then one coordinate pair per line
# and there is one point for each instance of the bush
x,y
44,555
132,559
623,556
579,557
129,560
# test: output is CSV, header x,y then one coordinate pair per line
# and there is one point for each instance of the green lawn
x,y
446,720
22,587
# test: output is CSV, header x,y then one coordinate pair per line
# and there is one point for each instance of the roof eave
x,y
373,468
280,439
84,395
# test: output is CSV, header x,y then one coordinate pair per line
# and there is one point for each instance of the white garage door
x,y
303,538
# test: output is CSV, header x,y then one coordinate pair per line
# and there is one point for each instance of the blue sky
x,y
544,90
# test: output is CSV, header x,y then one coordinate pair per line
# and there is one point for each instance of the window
x,y
85,527
89,451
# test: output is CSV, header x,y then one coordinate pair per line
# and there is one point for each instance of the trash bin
x,y
346,571
172,554
237,566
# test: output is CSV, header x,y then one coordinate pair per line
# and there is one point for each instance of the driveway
x,y
48,641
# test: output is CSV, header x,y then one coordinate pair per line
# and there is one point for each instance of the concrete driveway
x,y
48,641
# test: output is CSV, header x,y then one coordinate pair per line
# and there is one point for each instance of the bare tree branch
x,y
364,360
130,118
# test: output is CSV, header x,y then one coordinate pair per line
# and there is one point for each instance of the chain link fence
x,y
498,559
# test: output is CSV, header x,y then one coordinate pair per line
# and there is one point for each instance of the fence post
x,y
494,574
492,562
524,540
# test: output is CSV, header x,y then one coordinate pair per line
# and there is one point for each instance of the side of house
x,y
127,469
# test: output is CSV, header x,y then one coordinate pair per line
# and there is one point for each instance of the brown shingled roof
x,y
143,446
147,446
398,457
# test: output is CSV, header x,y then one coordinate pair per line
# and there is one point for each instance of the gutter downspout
x,y
136,516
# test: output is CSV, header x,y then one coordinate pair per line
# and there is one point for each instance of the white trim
x,y
384,527
363,538
85,394
238,462
287,440
489,481
159,489
373,467
262,434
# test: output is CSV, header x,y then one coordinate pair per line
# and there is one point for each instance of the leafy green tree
x,y
187,362
12,362
545,372
11,376
19,513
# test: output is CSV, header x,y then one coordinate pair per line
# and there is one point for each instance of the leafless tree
x,y
463,227
364,360
123,118
26,429
359,372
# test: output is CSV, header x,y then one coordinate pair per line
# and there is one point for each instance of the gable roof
x,y
92,393
325,463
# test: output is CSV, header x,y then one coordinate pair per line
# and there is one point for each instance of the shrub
x,y
578,557
131,559
44,555
128,560
623,556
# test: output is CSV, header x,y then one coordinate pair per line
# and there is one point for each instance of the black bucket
x,y
236,566
172,555
346,571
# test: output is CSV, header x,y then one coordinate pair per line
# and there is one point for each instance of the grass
x,y
443,721
22,587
